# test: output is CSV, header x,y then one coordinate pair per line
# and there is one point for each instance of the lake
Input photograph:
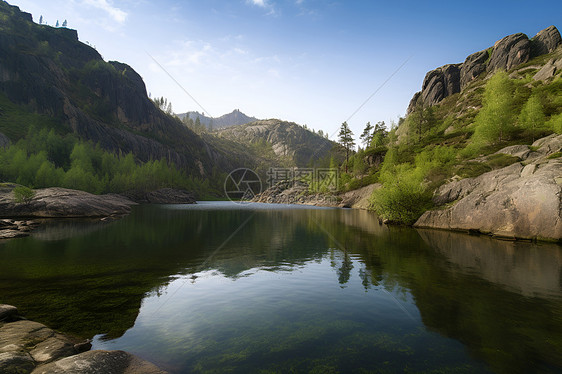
x,y
220,287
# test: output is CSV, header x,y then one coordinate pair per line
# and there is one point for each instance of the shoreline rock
x,y
31,347
520,201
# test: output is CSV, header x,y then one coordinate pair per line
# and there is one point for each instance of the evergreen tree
x,y
41,20
380,135
531,117
57,25
346,140
64,24
366,136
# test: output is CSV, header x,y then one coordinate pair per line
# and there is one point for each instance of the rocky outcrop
x,y
440,83
30,347
473,66
506,54
549,70
546,41
523,200
509,52
298,193
58,202
161,196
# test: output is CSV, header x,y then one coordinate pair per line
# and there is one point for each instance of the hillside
x,y
234,118
50,80
282,143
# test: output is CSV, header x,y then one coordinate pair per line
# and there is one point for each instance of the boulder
x,y
518,201
58,202
94,362
7,312
549,70
509,52
473,66
546,41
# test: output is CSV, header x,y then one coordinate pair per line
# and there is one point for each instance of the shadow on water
x,y
301,289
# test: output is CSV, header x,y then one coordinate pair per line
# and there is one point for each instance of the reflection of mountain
x,y
467,288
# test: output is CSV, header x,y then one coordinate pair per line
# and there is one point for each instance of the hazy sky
x,y
313,62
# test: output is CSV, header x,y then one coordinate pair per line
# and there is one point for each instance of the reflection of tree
x,y
344,271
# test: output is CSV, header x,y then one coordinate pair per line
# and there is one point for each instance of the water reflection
x,y
309,287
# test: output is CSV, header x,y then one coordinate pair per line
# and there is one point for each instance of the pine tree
x,y
379,135
64,24
346,140
57,25
366,136
41,20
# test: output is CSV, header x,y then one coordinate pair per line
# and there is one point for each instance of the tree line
x,y
44,158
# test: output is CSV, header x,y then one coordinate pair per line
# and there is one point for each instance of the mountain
x,y
287,142
52,79
505,54
236,117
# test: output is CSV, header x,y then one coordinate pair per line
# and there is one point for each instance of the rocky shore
x,y
520,201
297,193
17,219
30,347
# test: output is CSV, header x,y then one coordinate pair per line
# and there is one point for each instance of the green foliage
x,y
555,123
494,122
555,155
23,195
45,159
403,198
532,116
500,160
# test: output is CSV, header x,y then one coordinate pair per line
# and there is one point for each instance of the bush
x,y
403,198
23,195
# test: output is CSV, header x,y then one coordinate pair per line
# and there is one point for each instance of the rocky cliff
x,y
505,54
523,200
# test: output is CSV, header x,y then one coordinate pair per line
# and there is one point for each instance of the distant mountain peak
x,y
234,118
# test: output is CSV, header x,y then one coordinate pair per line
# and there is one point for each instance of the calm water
x,y
220,287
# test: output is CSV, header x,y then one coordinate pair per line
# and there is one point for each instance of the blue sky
x,y
313,62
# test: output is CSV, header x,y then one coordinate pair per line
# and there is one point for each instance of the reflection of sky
x,y
184,321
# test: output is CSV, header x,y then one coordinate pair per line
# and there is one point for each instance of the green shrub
x,y
403,198
23,195
500,160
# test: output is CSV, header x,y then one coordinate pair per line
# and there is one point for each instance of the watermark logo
x,y
317,179
242,185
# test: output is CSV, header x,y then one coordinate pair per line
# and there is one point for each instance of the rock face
x,y
30,347
506,53
473,66
546,41
523,200
509,52
440,83
58,202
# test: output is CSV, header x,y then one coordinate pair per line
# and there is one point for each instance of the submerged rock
x,y
517,201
